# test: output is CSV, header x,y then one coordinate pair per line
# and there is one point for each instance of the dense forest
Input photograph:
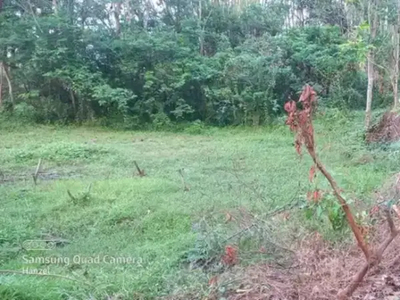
x,y
234,62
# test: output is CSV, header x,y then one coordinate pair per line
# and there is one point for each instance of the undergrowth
x,y
242,182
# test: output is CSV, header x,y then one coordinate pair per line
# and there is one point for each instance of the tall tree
x,y
373,23
1,69
396,54
179,60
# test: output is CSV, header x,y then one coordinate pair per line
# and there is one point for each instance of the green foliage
x,y
160,121
25,112
82,199
109,97
214,63
7,293
326,209
196,127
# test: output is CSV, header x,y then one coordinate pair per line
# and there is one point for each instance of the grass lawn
x,y
111,213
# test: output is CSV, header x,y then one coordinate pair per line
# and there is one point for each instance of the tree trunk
x,y
117,12
1,68
71,92
369,89
128,11
4,67
396,71
370,64
201,36
396,53
54,7
1,85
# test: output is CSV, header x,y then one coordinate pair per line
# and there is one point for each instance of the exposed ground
x,y
387,130
237,182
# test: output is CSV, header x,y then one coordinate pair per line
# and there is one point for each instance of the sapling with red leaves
x,y
299,120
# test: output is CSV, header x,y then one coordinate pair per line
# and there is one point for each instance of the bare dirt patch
x,y
387,130
318,272
8,177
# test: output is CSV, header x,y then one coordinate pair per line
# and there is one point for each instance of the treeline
x,y
141,62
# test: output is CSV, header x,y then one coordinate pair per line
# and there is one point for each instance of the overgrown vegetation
x,y
176,236
141,63
192,205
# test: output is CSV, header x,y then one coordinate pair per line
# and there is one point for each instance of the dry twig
x,y
184,184
36,174
141,172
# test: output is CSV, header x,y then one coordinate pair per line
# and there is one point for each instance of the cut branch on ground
x,y
141,172
37,172
184,184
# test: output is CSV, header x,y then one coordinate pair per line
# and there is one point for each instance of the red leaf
x,y
311,174
213,280
314,196
317,195
290,106
230,256
300,121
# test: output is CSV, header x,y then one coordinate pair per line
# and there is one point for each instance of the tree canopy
x,y
220,62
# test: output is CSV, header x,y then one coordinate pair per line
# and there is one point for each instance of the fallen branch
x,y
141,173
36,174
390,220
185,186
74,200
374,261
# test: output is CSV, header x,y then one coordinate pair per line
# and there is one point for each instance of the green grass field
x,y
113,213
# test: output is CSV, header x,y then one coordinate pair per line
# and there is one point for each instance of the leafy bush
x,y
160,121
197,127
25,112
326,209
230,67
